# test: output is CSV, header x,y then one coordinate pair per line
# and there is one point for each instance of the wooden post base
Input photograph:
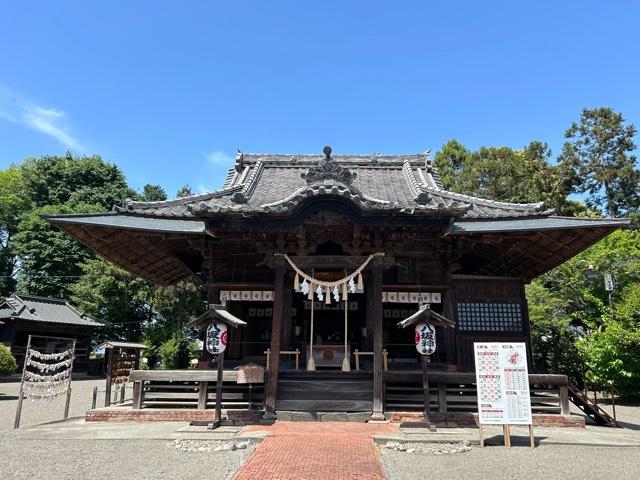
x,y
506,432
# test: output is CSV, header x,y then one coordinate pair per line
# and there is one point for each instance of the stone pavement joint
x,y
317,450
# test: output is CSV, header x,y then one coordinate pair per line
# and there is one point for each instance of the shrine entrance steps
x,y
324,392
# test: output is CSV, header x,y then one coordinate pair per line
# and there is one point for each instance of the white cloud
x,y
219,159
50,121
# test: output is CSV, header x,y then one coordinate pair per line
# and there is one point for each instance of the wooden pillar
x,y
524,305
375,299
271,388
109,354
368,287
449,311
202,395
287,324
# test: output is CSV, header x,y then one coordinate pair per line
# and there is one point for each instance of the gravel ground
x,y
118,460
497,463
35,413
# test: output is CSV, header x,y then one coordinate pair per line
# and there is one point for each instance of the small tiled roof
x,y
43,309
277,184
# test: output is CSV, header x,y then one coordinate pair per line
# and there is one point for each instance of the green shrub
x,y
177,352
8,364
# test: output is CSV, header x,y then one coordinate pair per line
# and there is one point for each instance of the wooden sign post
x,y
502,381
217,320
426,345
425,321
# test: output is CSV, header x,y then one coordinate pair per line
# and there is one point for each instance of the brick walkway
x,y
296,450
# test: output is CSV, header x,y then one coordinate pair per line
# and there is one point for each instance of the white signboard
x,y
425,338
503,383
608,282
216,339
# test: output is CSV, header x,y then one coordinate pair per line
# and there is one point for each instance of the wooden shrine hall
x,y
323,255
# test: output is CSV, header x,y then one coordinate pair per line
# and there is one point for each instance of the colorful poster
x,y
502,378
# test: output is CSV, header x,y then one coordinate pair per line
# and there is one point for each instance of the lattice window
x,y
490,317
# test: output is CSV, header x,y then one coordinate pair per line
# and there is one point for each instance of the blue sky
x,y
169,90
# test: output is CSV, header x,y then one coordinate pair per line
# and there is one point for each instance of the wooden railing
x,y
190,388
357,354
295,353
456,392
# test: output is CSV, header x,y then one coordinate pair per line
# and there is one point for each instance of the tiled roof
x,y
43,309
277,184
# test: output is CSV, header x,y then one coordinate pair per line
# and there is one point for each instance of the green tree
x,y
49,260
69,180
552,334
451,161
504,174
14,202
612,353
173,308
598,160
184,191
118,298
153,193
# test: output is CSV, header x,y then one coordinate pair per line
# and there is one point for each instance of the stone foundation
x,y
452,420
124,414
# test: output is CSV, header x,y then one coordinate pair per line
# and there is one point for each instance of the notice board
x,y
502,378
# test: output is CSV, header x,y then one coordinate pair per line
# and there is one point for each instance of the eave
x,y
163,251
525,248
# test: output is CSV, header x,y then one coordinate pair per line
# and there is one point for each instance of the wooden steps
x,y
590,408
325,391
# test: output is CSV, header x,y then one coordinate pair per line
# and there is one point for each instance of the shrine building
x,y
382,227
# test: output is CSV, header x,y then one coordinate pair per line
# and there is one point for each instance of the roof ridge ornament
x,y
328,169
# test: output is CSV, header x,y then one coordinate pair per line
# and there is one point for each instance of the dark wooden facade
x,y
472,256
49,319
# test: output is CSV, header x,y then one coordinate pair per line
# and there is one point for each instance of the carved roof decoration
x,y
277,184
328,170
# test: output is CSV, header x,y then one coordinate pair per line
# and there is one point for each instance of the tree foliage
x,y
49,260
598,157
114,296
69,180
153,193
184,191
14,202
8,364
612,353
505,174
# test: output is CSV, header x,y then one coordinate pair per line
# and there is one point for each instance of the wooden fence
x,y
451,392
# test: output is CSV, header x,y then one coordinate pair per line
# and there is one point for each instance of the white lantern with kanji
x,y
216,339
425,338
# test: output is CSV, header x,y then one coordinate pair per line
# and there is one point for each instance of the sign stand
x,y
503,388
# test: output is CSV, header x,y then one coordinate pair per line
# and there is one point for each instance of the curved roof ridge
x,y
536,207
310,190
191,198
